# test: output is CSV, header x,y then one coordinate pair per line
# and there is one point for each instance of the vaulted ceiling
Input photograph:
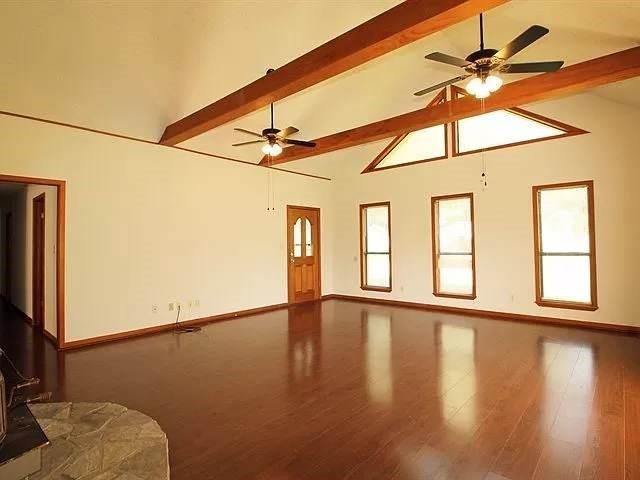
x,y
133,68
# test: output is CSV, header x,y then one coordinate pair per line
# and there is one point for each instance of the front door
x,y
303,255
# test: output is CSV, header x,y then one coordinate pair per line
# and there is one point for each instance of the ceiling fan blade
x,y
302,143
448,59
287,132
247,143
532,67
440,85
526,38
249,132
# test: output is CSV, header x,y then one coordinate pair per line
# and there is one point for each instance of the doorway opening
x,y
32,241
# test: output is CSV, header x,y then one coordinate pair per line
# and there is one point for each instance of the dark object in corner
x,y
3,409
12,401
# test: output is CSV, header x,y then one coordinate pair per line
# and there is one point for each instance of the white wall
x,y
21,206
503,222
147,225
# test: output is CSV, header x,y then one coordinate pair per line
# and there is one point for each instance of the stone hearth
x,y
100,441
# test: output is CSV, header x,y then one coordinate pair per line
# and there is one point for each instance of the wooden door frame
x,y
34,253
7,223
318,249
61,187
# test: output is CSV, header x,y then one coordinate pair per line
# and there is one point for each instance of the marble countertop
x,y
100,441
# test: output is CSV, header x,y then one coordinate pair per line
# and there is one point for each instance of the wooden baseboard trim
x,y
49,336
562,322
28,320
114,337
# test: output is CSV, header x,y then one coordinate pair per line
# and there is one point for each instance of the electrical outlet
x,y
171,307
154,308
196,302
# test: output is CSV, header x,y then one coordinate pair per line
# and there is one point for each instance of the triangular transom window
x,y
489,131
415,147
504,128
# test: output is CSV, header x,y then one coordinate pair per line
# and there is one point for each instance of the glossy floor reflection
x,y
348,390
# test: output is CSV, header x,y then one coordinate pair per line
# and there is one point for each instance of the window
x,y
297,238
309,239
489,131
504,128
420,146
565,245
375,246
453,246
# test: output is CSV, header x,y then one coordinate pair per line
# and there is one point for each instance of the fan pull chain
x,y
270,188
268,181
273,193
484,181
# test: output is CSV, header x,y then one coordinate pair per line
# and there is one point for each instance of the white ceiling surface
x,y
134,67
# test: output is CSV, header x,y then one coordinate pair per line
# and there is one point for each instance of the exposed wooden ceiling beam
x,y
398,26
567,81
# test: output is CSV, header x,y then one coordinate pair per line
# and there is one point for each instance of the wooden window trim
x,y
536,189
568,130
434,247
441,97
363,260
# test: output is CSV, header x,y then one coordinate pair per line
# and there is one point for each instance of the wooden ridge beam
x,y
566,81
405,23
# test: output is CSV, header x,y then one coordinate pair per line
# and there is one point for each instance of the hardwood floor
x,y
349,390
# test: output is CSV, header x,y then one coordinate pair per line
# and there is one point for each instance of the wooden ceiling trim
x,y
403,24
566,81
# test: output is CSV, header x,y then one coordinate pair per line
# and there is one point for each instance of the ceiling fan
x,y
484,64
273,138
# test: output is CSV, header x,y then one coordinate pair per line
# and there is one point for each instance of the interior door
x,y
303,256
38,260
7,255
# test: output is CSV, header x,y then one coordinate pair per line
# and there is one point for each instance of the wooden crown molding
x,y
405,23
149,142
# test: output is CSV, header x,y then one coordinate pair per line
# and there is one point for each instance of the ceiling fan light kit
x,y
272,149
273,138
485,64
483,87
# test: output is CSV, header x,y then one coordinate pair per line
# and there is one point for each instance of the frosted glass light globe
x,y
473,85
275,149
493,82
272,150
482,91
